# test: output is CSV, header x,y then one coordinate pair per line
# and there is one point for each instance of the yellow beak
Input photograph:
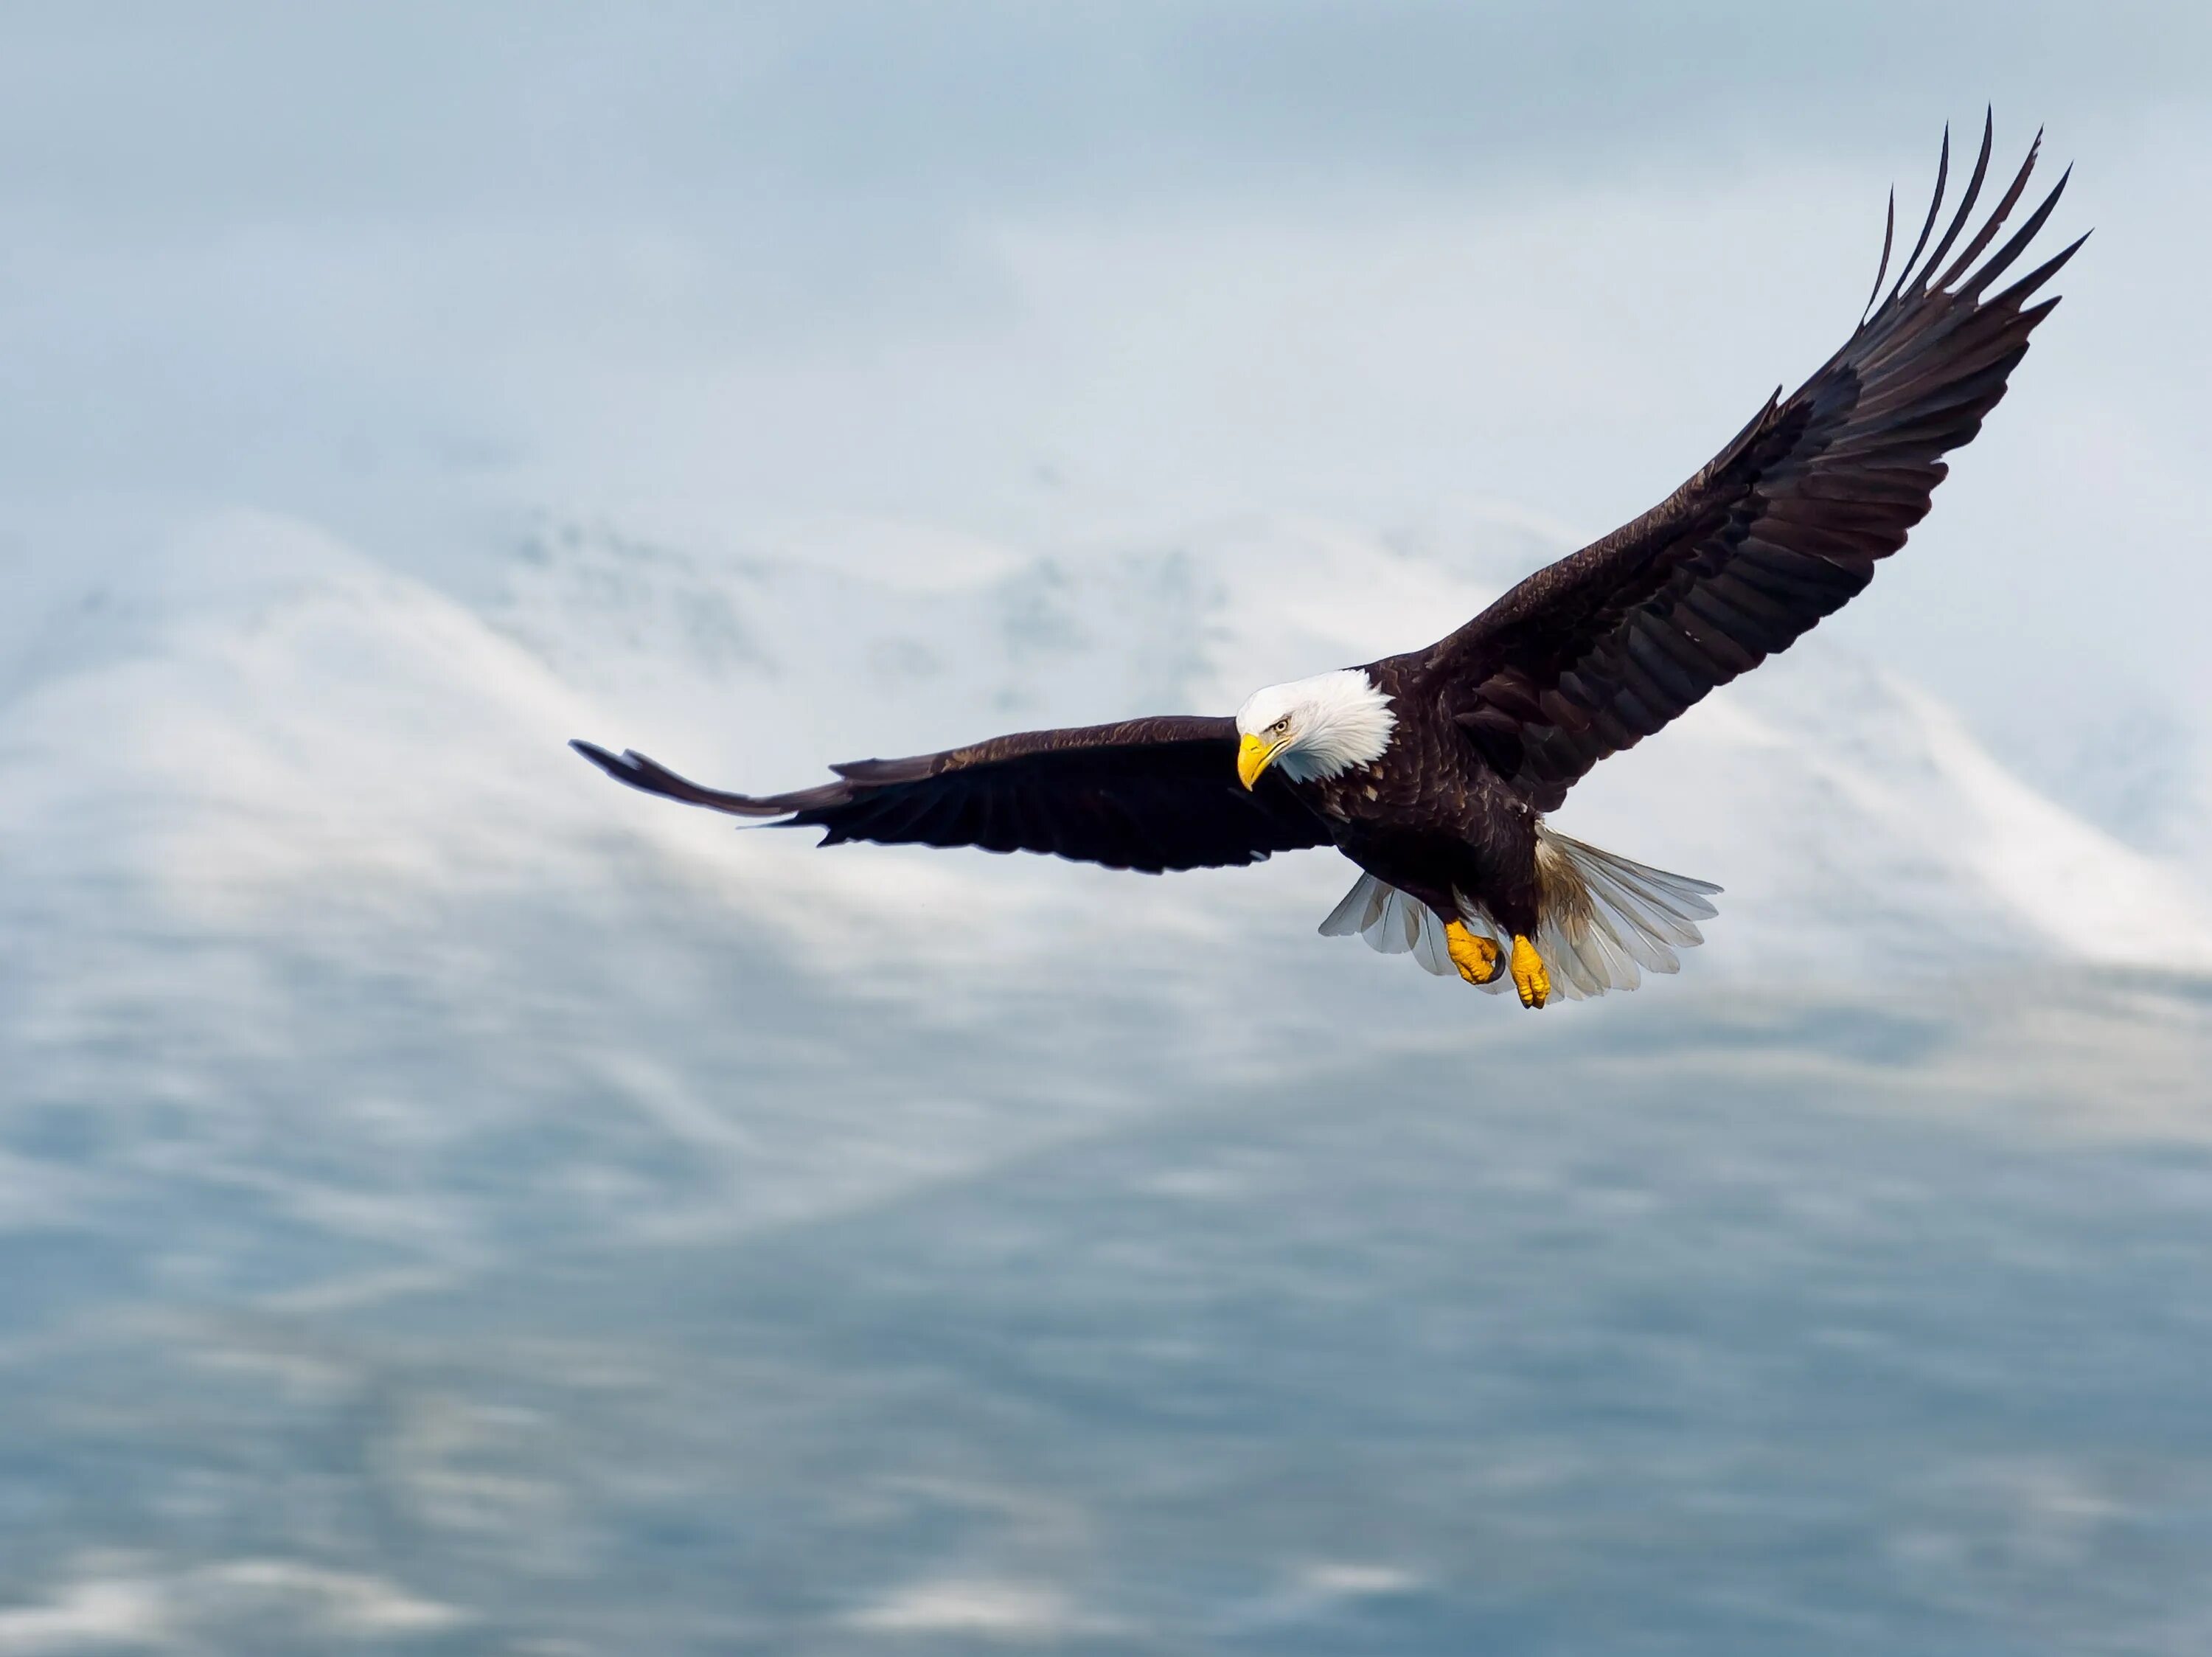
x,y
1253,754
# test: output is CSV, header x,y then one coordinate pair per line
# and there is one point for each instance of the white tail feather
x,y
1607,920
1391,922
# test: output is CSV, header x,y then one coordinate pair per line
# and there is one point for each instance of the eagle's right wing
x,y
1147,794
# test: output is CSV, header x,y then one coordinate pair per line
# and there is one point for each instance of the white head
x,y
1313,727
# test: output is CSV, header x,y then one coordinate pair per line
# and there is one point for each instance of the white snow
x,y
258,717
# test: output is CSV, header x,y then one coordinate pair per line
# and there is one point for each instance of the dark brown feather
x,y
1146,794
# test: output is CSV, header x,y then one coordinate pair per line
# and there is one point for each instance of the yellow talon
x,y
1529,976
1476,958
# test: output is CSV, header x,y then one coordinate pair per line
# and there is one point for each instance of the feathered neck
x,y
1339,720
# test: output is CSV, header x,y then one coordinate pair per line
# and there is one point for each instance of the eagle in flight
x,y
1433,771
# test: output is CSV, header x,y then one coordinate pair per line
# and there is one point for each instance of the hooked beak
x,y
1253,755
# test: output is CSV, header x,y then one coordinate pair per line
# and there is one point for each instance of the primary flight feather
x,y
1433,771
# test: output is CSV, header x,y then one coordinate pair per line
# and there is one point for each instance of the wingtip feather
x,y
1888,238
598,755
1928,224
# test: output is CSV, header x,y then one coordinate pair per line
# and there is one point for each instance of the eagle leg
x,y
1529,976
1477,958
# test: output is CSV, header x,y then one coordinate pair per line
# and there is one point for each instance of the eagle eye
x,y
1282,724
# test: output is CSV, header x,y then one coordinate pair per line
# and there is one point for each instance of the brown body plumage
x,y
1433,818
1489,728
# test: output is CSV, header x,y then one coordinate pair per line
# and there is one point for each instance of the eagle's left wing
x,y
1146,794
1781,529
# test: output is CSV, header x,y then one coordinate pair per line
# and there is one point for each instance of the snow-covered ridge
x,y
259,711
258,719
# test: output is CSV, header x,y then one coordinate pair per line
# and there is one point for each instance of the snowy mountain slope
x,y
1858,825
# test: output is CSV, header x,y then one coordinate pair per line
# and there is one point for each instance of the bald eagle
x,y
1433,771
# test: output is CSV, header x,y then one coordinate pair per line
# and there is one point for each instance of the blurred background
x,y
448,1203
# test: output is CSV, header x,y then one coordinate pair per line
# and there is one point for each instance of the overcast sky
x,y
1028,268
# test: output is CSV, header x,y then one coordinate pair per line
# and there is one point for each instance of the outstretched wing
x,y
1147,794
1603,647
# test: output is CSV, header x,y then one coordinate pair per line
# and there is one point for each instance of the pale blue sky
x,y
400,270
